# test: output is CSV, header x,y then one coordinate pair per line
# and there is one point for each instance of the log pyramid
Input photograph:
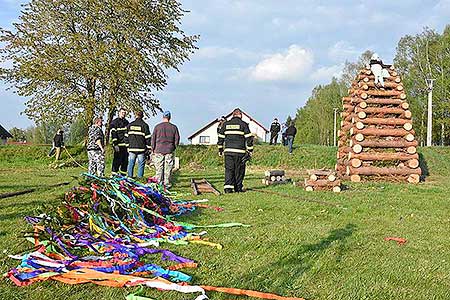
x,y
376,139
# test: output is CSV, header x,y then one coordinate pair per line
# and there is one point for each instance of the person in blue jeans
x,y
291,131
138,141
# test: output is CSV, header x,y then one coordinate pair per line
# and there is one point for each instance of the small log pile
x,y
272,177
377,137
322,180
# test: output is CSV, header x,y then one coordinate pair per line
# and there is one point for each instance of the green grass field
x,y
294,247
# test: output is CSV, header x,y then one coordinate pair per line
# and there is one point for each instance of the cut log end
x,y
309,188
363,104
313,177
407,126
357,148
359,137
411,150
356,163
362,115
331,177
413,163
409,137
355,178
414,178
337,189
405,105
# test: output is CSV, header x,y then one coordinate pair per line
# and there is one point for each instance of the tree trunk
x,y
382,171
382,156
381,132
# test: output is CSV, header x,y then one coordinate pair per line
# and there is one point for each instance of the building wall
x,y
212,133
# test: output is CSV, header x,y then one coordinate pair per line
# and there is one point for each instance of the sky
x,y
265,56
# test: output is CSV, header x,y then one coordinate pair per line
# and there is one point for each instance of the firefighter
x,y
118,128
138,141
236,143
275,128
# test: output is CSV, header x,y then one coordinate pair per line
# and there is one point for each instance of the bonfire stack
x,y
275,177
322,180
376,137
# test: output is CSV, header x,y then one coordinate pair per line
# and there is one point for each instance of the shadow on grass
x,y
424,167
302,259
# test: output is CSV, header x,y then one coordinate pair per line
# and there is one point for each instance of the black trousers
x,y
273,138
234,172
120,161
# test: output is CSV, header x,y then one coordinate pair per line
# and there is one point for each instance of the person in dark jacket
x,y
96,148
58,143
165,140
275,128
118,128
291,131
236,142
137,139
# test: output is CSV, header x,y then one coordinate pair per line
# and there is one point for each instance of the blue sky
x,y
265,56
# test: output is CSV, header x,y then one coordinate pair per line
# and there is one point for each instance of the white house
x,y
207,135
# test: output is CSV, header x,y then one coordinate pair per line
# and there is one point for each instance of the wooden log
x,y
382,132
309,188
355,178
358,137
313,177
383,171
365,85
383,156
414,178
388,144
384,121
348,107
356,163
332,177
337,189
386,79
322,182
413,163
320,172
359,125
379,93
400,112
378,101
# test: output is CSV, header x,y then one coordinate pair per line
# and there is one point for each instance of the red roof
x,y
226,117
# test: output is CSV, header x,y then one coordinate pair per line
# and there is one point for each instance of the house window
x,y
204,139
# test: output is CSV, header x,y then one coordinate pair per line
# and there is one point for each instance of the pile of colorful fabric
x,y
106,231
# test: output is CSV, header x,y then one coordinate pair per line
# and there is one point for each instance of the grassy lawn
x,y
294,247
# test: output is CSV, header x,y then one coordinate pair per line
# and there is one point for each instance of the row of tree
x,y
418,58
75,58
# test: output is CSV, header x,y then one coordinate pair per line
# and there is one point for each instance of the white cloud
x,y
290,65
324,74
213,52
342,50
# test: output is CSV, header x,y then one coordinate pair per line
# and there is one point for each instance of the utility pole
x,y
334,129
430,111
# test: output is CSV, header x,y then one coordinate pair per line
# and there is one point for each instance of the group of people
x,y
288,134
133,142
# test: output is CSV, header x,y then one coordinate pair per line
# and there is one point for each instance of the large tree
x,y
421,57
90,56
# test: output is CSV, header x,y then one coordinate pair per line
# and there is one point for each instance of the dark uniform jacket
x,y
118,128
235,137
275,127
58,140
138,137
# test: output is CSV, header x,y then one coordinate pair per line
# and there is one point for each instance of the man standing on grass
x,y
165,140
96,148
58,143
236,142
118,129
291,131
275,128
137,140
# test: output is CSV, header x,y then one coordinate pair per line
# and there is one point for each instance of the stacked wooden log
x,y
377,137
322,180
275,177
